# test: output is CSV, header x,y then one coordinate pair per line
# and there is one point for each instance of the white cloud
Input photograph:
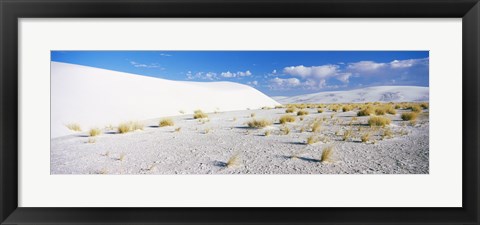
x,y
400,64
319,72
141,65
279,83
253,83
164,54
202,76
229,74
365,66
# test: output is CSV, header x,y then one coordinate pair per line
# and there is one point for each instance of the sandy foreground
x,y
203,147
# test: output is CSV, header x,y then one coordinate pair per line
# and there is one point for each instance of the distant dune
x,y
370,94
93,97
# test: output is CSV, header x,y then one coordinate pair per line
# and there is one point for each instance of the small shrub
x,y
365,137
290,110
391,111
206,131
287,119
316,126
166,123
415,108
365,112
302,113
312,140
233,161
259,123
346,135
379,111
124,128
409,116
137,126
198,114
267,133
74,127
347,108
285,130
424,105
279,107
327,154
387,133
378,121
94,132
320,111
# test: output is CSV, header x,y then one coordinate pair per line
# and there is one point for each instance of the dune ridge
x,y
93,97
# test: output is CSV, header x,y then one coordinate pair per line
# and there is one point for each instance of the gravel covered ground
x,y
205,146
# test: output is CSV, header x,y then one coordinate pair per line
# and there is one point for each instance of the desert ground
x,y
327,140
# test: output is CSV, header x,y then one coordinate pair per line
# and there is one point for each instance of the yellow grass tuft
x,y
409,116
378,121
94,132
267,133
346,135
74,127
233,161
312,140
302,113
121,157
259,123
285,130
290,110
327,154
365,112
415,108
316,126
347,108
287,119
178,129
166,122
198,114
365,137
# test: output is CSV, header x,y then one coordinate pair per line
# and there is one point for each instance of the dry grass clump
x,y
415,108
290,110
74,126
267,133
424,105
387,133
302,113
233,161
285,130
279,107
312,140
178,129
129,126
334,108
378,121
316,126
409,116
365,112
365,137
259,123
391,110
320,110
166,122
327,154
287,119
252,115
346,135
94,132
347,108
199,114
380,111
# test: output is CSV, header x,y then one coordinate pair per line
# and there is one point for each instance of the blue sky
x,y
275,73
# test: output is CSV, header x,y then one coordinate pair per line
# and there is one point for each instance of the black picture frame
x,y
12,10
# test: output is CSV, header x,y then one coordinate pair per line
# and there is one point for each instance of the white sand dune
x,y
94,97
370,94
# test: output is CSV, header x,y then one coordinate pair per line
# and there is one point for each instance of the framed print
x,y
255,112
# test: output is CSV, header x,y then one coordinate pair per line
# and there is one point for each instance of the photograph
x,y
258,112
